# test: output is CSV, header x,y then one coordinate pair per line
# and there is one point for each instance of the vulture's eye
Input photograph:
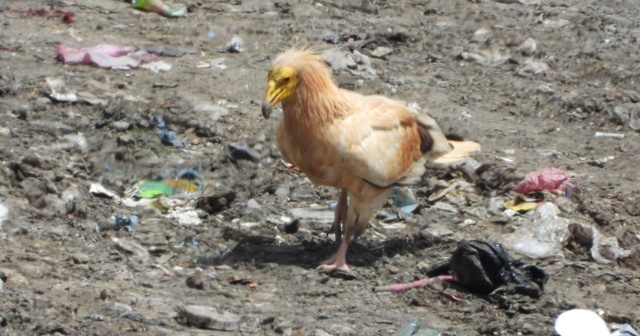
x,y
286,79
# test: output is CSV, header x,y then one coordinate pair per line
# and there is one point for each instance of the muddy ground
x,y
530,103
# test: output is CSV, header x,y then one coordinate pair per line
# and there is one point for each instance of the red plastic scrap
x,y
551,179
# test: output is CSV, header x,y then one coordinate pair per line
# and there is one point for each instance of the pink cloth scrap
x,y
551,179
105,56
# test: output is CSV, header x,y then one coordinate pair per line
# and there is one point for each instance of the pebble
x,y
528,47
132,247
80,258
5,132
320,332
236,151
197,281
120,125
208,318
282,193
235,45
381,52
214,112
253,204
11,277
339,59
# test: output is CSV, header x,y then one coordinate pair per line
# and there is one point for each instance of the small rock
x,y
481,35
120,125
282,193
634,122
214,112
618,21
80,258
342,330
528,47
253,204
236,151
235,45
197,281
499,219
11,277
393,269
323,316
532,68
381,52
622,114
208,318
339,59
320,332
5,132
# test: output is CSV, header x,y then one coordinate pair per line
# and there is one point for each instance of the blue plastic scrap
x,y
167,137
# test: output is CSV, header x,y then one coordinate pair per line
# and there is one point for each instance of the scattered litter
x,y
581,322
208,318
413,328
189,174
409,328
97,189
4,214
157,66
118,222
623,329
157,6
404,199
67,17
149,189
78,140
543,234
551,179
185,216
459,184
609,135
236,280
167,137
521,204
238,151
397,288
484,267
235,45
59,91
219,63
104,56
185,185
318,215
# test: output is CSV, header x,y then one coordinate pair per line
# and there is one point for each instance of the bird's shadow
x,y
309,254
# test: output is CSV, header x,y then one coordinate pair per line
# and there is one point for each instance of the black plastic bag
x,y
483,267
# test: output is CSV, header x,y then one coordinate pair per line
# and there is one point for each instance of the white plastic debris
x,y
79,140
543,233
59,91
581,322
97,189
319,215
157,66
4,214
